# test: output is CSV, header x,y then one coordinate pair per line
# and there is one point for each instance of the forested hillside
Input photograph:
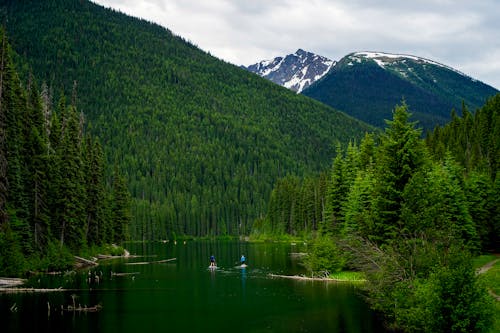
x,y
201,142
409,213
460,159
54,197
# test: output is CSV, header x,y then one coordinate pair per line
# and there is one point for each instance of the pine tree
x,y
3,138
71,189
37,162
400,155
336,194
96,193
120,211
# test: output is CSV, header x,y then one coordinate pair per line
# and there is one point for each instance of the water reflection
x,y
182,296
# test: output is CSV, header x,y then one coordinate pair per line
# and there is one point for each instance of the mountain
x,y
367,85
200,141
295,71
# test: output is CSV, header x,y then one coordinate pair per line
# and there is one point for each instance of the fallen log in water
x,y
29,290
124,274
11,282
82,262
301,277
150,262
95,308
306,278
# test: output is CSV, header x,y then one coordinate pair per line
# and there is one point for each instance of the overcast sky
x,y
463,34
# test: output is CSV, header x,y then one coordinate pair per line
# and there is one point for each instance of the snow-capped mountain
x,y
401,63
367,85
295,71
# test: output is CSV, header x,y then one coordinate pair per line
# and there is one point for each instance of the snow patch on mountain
x,y
295,71
388,60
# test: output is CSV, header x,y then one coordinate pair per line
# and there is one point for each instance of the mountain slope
x,y
367,85
200,141
295,71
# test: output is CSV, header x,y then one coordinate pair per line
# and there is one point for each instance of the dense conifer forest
x,y
55,199
200,142
409,213
366,186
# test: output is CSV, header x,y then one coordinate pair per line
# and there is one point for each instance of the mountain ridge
x,y
367,85
295,71
200,141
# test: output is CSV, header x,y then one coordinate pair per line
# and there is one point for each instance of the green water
x,y
185,296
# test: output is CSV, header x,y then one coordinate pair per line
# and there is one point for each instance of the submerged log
x,y
11,282
82,262
301,277
306,278
95,308
151,262
124,274
29,290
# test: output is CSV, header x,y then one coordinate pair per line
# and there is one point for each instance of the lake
x,y
185,296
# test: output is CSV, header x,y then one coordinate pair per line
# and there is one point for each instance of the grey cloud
x,y
462,33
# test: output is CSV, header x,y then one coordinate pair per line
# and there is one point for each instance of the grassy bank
x,y
491,279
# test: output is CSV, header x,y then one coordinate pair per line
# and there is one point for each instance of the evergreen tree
x,y
71,190
120,211
358,211
3,137
335,194
96,193
400,155
435,204
37,167
478,191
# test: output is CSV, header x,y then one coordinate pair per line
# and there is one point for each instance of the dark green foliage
x,y
410,224
3,129
400,155
200,142
48,177
325,257
434,202
55,259
423,284
295,207
474,142
120,208
12,261
368,92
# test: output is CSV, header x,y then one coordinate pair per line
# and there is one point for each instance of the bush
x,y
12,262
325,256
57,258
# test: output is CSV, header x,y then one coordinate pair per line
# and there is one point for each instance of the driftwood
x,y
11,282
150,262
301,277
28,290
95,308
124,274
82,262
306,278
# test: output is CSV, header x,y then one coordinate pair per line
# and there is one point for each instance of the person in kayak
x,y
243,259
212,261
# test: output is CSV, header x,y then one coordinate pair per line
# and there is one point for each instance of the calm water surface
x,y
185,296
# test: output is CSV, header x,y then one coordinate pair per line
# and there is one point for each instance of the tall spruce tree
x,y
401,153
96,193
120,211
71,201
3,137
37,162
